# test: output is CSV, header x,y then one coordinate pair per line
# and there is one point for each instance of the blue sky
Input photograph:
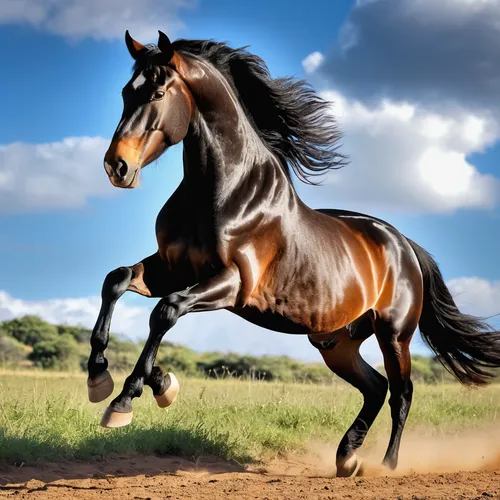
x,y
422,135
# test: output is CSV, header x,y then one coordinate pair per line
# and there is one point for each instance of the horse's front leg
x,y
148,278
216,293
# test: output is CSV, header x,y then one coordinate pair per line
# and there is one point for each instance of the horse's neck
x,y
221,147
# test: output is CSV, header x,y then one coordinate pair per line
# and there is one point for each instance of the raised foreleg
x,y
219,292
148,278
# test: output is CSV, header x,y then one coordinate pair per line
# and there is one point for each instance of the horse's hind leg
x,y
395,346
341,354
146,278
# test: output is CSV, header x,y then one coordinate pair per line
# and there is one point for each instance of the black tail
x,y
466,346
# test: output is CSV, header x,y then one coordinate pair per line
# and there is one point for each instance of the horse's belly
x,y
270,320
315,307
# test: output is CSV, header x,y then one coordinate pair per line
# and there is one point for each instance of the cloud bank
x,y
430,51
408,158
98,19
58,175
414,85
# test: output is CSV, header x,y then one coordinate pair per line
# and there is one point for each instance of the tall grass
x,y
46,416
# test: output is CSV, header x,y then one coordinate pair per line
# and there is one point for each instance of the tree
x,y
59,353
79,333
421,369
121,354
29,329
11,351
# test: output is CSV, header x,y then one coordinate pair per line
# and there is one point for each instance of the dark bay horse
x,y
236,236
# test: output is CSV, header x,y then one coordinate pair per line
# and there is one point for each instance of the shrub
x,y
175,357
79,333
11,351
29,330
60,353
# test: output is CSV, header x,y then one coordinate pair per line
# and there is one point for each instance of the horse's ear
x,y
135,48
165,45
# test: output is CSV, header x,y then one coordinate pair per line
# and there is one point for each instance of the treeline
x,y
30,342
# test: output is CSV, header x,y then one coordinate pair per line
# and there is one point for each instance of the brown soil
x,y
212,479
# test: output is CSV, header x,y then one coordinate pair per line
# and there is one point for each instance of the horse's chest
x,y
185,257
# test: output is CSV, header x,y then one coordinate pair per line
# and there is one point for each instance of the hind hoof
x,y
352,467
390,463
100,387
168,397
113,419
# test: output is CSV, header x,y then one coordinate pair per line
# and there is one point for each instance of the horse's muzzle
x,y
121,174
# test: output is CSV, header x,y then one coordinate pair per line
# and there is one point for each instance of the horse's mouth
x,y
134,181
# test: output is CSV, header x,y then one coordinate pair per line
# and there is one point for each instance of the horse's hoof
x,y
168,397
100,387
390,462
351,467
113,419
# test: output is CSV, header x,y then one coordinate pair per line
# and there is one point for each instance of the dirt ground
x,y
213,479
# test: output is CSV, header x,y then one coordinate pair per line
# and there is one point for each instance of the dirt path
x,y
212,479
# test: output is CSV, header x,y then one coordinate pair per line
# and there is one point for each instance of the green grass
x,y
46,416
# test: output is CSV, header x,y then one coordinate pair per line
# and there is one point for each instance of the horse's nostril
x,y
108,168
121,169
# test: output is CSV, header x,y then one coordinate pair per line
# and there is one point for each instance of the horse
x,y
235,235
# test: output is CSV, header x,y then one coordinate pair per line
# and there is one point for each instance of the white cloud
x,y
409,158
415,90
35,177
312,62
74,311
98,19
477,296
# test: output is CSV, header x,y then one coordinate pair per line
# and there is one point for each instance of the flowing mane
x,y
293,121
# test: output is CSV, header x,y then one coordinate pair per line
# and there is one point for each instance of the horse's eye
x,y
158,94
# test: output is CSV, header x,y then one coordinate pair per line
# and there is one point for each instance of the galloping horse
x,y
235,235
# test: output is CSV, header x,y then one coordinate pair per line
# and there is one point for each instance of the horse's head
x,y
157,110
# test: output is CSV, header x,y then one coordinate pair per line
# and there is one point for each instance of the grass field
x,y
46,416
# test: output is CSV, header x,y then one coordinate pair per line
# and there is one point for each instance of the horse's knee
x,y
116,283
166,313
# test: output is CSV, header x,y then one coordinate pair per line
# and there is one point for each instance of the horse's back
x,y
372,229
389,256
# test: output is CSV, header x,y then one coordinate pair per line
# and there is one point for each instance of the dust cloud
x,y
477,450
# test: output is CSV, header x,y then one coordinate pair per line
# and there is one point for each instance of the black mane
x,y
294,122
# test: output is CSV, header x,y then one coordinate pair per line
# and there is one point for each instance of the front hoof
x,y
352,467
172,389
113,419
100,387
